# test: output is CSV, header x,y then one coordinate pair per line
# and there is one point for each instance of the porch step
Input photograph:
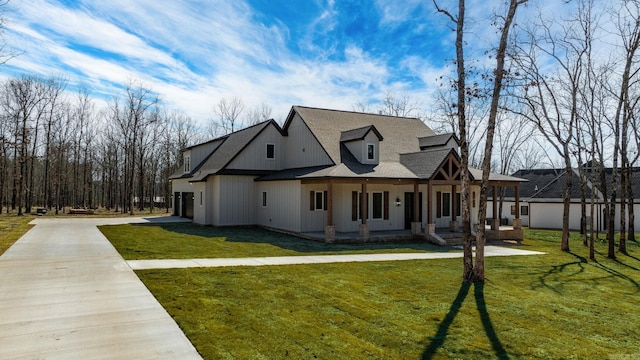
x,y
452,238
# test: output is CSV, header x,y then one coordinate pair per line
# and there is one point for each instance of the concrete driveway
x,y
65,293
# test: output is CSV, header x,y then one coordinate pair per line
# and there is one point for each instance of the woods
x,y
58,150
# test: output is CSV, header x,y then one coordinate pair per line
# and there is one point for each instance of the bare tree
x,y
228,113
258,114
468,268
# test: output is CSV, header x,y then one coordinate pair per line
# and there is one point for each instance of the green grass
x,y
554,306
12,227
187,241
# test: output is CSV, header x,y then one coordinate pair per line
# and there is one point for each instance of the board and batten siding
x,y
301,147
282,210
342,207
358,148
235,205
199,209
254,156
198,153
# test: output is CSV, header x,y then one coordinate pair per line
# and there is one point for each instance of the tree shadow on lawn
x,y
438,340
255,235
559,275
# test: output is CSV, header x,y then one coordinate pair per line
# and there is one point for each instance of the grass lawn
x,y
554,306
187,241
12,227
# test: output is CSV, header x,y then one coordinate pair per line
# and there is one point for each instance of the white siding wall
x,y
443,221
549,216
181,185
283,205
236,195
359,148
254,156
302,148
199,209
342,207
213,183
506,211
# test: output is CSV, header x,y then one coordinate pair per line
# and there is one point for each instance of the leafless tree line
x,y
57,150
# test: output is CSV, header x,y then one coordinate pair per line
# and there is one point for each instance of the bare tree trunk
x,y
467,272
478,269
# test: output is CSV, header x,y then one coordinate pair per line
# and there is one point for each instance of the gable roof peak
x,y
359,134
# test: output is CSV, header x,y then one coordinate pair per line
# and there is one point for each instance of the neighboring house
x,y
329,172
542,205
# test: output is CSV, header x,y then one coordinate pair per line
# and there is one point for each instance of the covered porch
x,y
434,217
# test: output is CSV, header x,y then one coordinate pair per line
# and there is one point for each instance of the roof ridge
x,y
356,112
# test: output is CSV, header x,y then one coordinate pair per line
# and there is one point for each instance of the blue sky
x,y
322,53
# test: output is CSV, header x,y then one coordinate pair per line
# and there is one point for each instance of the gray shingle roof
x,y
228,150
359,134
425,163
400,133
436,140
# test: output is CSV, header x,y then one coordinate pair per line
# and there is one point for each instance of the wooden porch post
x,y
517,201
330,203
364,228
517,222
495,203
330,229
363,203
431,227
453,203
429,205
416,203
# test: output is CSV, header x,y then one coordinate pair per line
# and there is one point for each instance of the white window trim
x,y
374,152
266,155
187,163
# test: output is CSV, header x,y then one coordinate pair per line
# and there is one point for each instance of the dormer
x,y
443,141
363,143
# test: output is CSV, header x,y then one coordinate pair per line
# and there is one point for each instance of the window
x,y
513,209
377,205
200,198
187,163
524,210
371,152
458,204
318,200
446,204
271,151
264,199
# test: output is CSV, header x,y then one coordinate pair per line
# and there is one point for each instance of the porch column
x,y
453,224
431,226
416,224
330,229
495,223
517,222
364,228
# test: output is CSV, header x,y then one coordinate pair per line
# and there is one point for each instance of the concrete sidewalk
x,y
315,259
66,293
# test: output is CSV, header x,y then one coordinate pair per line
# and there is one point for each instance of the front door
x,y
408,209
